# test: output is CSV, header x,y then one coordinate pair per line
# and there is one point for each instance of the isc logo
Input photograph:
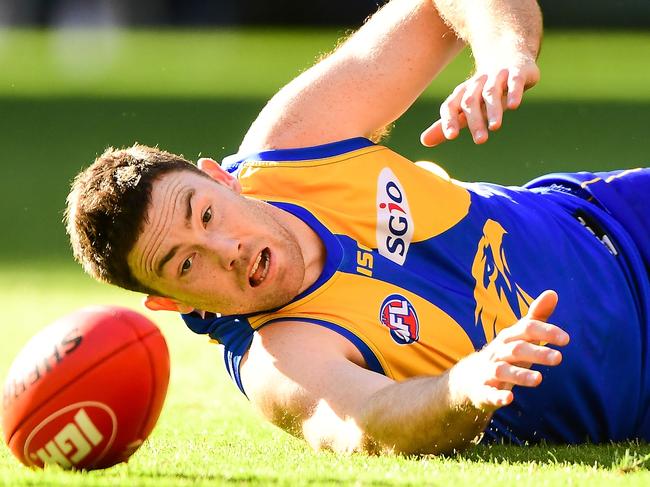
x,y
70,437
394,223
364,260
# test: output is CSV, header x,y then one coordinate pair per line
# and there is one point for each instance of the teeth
x,y
262,257
257,263
266,268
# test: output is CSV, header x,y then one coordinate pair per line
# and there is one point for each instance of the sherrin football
x,y
86,391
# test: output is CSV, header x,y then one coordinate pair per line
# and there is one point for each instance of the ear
x,y
159,303
216,172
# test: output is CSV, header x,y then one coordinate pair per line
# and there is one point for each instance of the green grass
x,y
196,93
208,434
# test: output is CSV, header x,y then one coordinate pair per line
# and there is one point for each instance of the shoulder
x,y
292,352
295,372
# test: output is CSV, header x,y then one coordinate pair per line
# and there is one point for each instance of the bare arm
x,y
375,76
365,84
308,380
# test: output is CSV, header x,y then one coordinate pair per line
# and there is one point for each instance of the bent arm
x,y
374,76
365,84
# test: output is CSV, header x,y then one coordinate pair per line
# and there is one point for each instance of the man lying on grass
x,y
366,303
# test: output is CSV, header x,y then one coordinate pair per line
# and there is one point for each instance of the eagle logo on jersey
x,y
500,301
398,315
394,222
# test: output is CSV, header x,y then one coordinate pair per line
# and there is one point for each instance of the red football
x,y
87,390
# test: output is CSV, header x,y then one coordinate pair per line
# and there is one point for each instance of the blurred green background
x,y
65,95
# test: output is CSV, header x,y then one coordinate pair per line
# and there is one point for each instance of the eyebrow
x,y
187,203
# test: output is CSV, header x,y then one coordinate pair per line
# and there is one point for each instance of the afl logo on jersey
x,y
398,315
394,222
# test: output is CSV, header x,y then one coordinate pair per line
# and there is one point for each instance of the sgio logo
x,y
70,438
398,315
394,223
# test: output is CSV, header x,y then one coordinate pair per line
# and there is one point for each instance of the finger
x,y
433,135
516,85
471,105
449,113
543,306
492,94
535,331
517,376
520,352
492,397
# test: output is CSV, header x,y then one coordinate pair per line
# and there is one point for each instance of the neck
x,y
311,246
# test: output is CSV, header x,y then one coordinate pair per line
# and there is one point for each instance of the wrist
x,y
466,389
506,51
458,380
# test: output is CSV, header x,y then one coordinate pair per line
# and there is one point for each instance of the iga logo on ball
x,y
81,432
399,316
87,390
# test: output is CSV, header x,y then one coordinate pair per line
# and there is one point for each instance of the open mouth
x,y
260,268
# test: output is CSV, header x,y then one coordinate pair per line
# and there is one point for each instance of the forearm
x,y
422,415
494,28
366,83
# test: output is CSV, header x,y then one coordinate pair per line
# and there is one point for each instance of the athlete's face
x,y
205,246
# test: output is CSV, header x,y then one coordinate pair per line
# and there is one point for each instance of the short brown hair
x,y
107,207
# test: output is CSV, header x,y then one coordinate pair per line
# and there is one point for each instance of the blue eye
x,y
207,216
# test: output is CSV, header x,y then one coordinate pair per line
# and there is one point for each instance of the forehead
x,y
168,192
180,178
168,187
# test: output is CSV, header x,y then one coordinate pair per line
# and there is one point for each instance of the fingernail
x,y
479,135
493,123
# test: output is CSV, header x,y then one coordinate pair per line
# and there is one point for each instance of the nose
x,y
225,251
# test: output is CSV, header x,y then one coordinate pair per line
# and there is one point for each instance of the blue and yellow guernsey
x,y
422,270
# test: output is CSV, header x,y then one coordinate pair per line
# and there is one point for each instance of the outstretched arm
x,y
304,379
376,74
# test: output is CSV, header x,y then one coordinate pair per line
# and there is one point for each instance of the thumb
x,y
542,308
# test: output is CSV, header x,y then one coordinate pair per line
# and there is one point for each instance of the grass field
x,y
64,97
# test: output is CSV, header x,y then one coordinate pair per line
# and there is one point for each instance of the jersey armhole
x,y
372,362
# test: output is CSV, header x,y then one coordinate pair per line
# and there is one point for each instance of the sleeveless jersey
x,y
422,270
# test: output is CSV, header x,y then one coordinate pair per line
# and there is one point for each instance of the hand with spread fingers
x,y
479,102
485,379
